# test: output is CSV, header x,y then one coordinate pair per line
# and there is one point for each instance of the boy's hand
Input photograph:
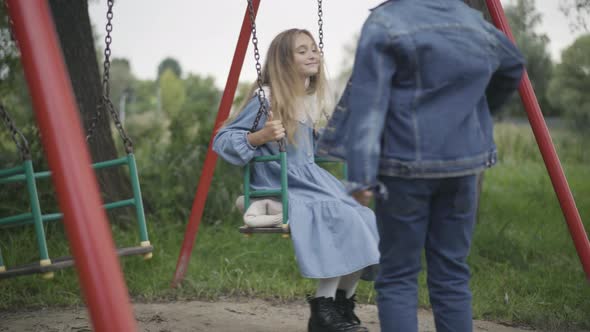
x,y
363,196
273,131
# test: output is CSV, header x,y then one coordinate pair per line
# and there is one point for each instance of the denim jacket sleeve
x,y
231,141
506,79
367,104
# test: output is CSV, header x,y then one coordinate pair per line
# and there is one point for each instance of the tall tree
x,y
73,26
169,63
571,83
122,79
524,20
172,93
578,11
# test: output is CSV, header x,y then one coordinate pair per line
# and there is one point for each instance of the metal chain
x,y
127,142
321,42
17,136
260,93
321,27
107,50
106,71
105,103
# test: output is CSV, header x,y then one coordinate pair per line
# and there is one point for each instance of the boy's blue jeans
x,y
437,216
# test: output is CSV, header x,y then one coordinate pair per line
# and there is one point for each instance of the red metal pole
x,y
560,185
68,157
210,160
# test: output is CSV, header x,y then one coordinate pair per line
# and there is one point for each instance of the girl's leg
x,y
345,300
327,287
325,315
349,282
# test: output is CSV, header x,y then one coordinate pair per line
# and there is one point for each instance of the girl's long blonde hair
x,y
280,74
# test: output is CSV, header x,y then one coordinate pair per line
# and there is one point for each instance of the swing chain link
x,y
260,93
105,103
321,44
17,136
321,27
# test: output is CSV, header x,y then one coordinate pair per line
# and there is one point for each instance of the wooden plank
x,y
264,230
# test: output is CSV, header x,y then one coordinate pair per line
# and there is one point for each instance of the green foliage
x,y
121,79
571,83
525,270
169,63
524,266
578,11
172,93
524,19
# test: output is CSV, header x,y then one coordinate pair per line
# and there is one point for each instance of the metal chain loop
x,y
321,42
107,50
127,142
260,93
321,27
105,104
17,136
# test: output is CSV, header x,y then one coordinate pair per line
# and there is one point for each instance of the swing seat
x,y
264,216
262,212
285,230
65,262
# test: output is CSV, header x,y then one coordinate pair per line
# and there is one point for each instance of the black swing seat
x,y
65,262
265,230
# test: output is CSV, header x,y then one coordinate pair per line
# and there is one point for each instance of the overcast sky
x,y
202,34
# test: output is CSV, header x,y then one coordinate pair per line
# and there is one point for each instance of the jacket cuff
x,y
378,188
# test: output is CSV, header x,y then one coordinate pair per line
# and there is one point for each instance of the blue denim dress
x,y
333,235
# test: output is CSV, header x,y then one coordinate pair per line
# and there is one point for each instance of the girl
x,y
335,238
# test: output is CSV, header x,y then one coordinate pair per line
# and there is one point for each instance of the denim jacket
x,y
427,76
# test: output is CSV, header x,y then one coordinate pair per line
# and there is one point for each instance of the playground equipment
x,y
84,217
25,173
527,94
283,191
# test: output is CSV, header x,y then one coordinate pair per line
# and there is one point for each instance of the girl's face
x,y
307,56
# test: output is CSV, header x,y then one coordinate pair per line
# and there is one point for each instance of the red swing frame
x,y
85,221
540,130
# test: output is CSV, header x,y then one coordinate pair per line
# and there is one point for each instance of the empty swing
x,y
25,173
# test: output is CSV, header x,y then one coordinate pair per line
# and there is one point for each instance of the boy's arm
x,y
368,102
507,76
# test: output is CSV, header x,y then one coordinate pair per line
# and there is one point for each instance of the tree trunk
x,y
72,23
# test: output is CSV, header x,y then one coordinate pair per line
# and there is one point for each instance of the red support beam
x,y
560,185
192,228
68,157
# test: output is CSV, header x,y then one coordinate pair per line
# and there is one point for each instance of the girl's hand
x,y
363,196
273,131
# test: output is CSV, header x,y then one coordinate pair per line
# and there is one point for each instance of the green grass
x,y
524,265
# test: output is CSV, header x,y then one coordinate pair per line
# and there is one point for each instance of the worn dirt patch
x,y
226,315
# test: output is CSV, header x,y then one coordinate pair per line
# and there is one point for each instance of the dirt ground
x,y
225,316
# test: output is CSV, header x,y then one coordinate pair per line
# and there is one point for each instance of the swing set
x,y
529,99
84,215
25,173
